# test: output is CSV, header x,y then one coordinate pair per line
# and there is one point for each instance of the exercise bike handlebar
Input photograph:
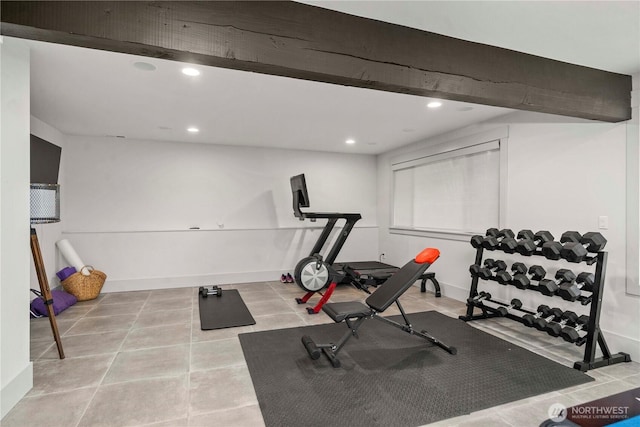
x,y
327,215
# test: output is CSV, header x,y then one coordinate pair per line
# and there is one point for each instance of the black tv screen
x,y
299,193
45,161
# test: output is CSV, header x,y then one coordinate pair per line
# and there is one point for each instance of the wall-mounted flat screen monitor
x,y
45,161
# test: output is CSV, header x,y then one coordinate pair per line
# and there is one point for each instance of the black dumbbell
x,y
551,250
529,319
476,241
570,333
571,291
509,244
495,265
521,281
494,237
479,298
515,305
576,247
541,322
517,269
214,290
503,277
528,245
549,287
478,271
554,328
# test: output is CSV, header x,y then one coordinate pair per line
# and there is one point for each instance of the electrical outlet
x,y
603,222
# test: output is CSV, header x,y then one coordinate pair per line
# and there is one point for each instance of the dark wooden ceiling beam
x,y
301,41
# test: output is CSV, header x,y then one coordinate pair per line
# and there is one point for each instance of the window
x,y
456,191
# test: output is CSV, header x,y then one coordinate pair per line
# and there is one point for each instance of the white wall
x,y
562,174
128,206
16,371
48,234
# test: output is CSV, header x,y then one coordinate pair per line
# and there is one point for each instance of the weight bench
x,y
354,313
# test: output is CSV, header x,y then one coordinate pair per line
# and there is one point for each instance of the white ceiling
x,y
88,92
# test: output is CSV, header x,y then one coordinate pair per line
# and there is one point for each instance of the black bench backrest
x,y
396,285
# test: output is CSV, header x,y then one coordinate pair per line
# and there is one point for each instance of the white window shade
x,y
457,191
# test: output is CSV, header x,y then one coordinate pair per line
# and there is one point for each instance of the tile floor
x,y
140,359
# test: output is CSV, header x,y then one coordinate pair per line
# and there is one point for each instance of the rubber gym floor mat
x,y
226,311
390,378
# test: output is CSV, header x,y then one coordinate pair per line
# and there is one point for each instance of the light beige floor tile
x,y
198,335
269,306
238,390
163,317
277,321
634,380
600,390
216,354
484,421
157,336
170,294
136,403
75,312
96,325
62,409
257,296
125,297
169,304
149,363
114,309
50,376
237,417
41,328
182,422
621,370
533,414
87,345
38,347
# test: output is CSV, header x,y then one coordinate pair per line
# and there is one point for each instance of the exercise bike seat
x,y
340,311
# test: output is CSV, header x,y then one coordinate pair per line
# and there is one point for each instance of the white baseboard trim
x,y
15,390
146,284
619,343
449,291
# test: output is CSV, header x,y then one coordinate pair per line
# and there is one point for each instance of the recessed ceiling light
x,y
144,66
190,72
466,108
434,104
350,141
193,129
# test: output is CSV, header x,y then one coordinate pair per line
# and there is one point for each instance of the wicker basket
x,y
85,287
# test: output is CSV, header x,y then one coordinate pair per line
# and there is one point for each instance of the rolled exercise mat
x,y
71,256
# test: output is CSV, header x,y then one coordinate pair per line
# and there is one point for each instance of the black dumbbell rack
x,y
594,336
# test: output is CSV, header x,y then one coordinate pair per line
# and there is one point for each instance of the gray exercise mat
x,y
390,378
226,311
